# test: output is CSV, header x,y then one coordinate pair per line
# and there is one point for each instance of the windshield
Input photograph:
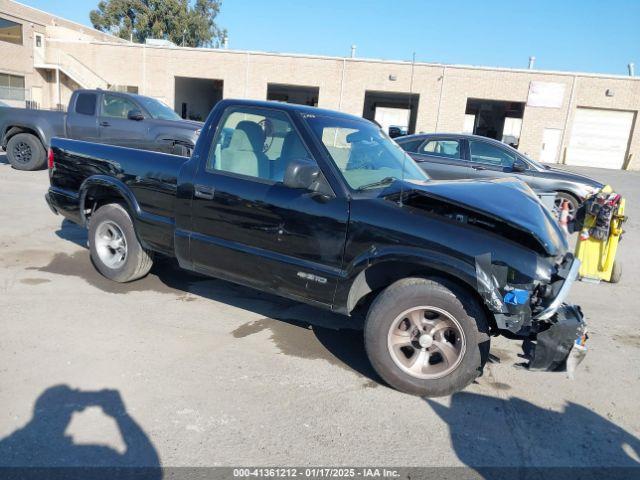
x,y
366,157
157,109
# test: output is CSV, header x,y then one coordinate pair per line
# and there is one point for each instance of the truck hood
x,y
508,203
186,124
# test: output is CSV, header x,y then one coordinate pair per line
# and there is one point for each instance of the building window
x,y
299,94
11,87
124,88
10,31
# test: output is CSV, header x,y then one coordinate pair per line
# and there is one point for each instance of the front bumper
x,y
570,277
551,348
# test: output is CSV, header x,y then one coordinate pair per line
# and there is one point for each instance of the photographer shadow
x,y
42,448
512,438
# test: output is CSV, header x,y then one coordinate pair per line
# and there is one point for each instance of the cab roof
x,y
292,107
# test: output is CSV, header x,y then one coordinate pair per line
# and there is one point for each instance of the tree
x,y
185,23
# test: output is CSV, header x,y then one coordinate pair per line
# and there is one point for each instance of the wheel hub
x,y
426,342
111,244
22,152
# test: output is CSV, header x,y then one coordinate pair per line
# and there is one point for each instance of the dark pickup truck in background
x,y
324,208
98,116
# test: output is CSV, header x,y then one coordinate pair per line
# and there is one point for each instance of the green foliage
x,y
185,23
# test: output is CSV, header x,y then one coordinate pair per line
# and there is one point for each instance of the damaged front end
x,y
554,332
524,287
560,332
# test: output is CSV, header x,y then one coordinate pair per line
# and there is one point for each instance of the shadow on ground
x,y
42,449
295,329
529,442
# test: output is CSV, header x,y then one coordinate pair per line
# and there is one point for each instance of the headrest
x,y
247,135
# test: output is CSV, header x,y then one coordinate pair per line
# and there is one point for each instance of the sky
x,y
570,35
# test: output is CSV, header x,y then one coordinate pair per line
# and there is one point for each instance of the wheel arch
x,y
567,191
99,190
377,276
14,130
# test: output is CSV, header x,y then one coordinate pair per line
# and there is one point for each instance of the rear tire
x,y
26,152
444,346
115,250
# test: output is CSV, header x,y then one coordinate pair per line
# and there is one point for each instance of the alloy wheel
x,y
426,342
557,207
22,152
111,244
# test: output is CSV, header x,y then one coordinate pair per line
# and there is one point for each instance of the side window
x,y
411,145
483,152
257,143
442,148
86,104
115,106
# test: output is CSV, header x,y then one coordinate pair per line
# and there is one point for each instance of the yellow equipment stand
x,y
598,257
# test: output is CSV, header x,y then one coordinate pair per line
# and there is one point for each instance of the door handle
x,y
202,191
478,167
105,124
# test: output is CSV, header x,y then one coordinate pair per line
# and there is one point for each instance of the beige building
x,y
574,118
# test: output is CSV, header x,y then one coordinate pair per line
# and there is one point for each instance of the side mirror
x,y
301,173
519,166
135,115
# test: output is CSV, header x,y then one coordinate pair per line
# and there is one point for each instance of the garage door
x,y
599,138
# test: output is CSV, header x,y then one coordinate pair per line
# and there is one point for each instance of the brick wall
x,y
443,90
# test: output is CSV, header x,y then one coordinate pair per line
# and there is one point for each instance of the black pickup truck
x,y
324,208
114,118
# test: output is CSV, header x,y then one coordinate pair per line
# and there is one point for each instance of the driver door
x,y
115,128
251,228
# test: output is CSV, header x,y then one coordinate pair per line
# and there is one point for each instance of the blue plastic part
x,y
516,297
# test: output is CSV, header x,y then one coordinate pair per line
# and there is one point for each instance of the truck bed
x,y
148,180
47,123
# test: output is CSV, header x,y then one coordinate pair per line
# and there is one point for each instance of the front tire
x,y
115,250
426,337
26,152
574,204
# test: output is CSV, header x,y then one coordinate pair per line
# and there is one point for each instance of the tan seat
x,y
244,154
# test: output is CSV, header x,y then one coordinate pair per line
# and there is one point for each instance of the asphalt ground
x,y
181,370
